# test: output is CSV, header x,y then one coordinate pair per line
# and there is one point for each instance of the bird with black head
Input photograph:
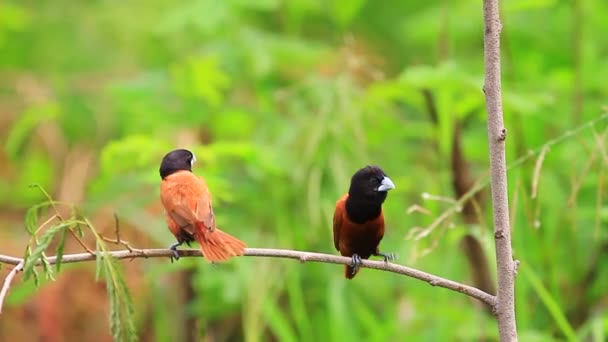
x,y
188,209
358,222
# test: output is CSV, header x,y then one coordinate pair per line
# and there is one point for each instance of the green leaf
x,y
48,270
36,277
98,261
550,303
78,231
43,243
122,324
31,217
60,249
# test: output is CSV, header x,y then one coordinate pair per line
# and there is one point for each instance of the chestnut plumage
x,y
188,209
358,220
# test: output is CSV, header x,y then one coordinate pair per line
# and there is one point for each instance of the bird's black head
x,y
371,183
368,190
176,160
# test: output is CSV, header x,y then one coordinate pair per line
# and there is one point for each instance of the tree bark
x,y
506,267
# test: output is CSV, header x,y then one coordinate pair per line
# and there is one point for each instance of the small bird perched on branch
x,y
188,209
358,218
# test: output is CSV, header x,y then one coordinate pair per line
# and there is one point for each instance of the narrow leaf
x,y
550,303
31,216
60,249
122,323
98,263
43,243
48,270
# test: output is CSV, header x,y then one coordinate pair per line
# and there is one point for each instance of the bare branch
x,y
82,244
7,281
505,298
433,280
118,240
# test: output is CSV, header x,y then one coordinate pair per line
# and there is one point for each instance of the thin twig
x,y
117,227
7,281
118,240
484,180
84,245
537,168
433,280
58,216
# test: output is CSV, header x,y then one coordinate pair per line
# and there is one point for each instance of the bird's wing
x,y
187,200
173,226
338,214
204,209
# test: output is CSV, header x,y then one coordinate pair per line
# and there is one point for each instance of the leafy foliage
x,y
122,325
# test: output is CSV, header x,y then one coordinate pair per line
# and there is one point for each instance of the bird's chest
x,y
362,239
366,232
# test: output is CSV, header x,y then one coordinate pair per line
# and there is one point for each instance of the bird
x,y
189,212
358,223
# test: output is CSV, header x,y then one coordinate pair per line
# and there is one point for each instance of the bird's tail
x,y
218,246
349,272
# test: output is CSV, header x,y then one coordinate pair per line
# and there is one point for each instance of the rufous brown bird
x,y
358,218
188,209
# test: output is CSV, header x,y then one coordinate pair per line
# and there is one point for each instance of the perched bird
x,y
358,218
188,209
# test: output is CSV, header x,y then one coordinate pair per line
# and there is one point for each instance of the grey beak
x,y
386,184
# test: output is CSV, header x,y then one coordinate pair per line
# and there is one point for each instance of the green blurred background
x,y
282,101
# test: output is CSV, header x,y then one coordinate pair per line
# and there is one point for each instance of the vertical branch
x,y
505,308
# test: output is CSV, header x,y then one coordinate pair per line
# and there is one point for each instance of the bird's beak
x,y
386,184
193,160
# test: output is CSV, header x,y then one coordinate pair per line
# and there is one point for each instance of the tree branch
x,y
506,267
433,280
9,278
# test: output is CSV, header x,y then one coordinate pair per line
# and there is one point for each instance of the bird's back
x,y
186,199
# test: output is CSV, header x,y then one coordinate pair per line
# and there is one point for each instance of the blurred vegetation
x,y
282,101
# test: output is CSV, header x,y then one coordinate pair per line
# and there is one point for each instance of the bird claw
x,y
173,248
387,256
356,263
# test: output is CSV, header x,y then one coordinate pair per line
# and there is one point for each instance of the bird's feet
x,y
387,256
356,263
173,248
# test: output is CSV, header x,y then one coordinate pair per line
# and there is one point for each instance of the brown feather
x,y
189,213
356,238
